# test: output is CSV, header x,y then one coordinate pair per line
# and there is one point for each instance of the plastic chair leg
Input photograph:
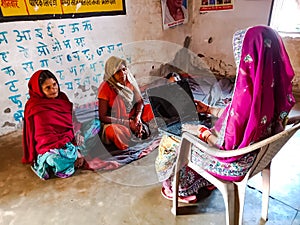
x,y
266,192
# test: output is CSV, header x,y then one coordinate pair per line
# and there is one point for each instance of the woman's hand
x,y
192,128
198,130
79,139
136,127
202,107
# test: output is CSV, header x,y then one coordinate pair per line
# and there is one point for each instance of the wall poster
x,y
174,13
215,5
14,10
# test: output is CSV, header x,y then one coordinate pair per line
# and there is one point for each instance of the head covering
x,y
262,95
47,122
113,65
35,89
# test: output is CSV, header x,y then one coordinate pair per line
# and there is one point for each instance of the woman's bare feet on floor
x,y
79,161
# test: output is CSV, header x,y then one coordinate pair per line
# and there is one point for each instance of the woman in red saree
x,y
48,137
122,112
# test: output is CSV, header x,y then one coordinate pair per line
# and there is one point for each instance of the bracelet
x,y
202,130
120,121
206,138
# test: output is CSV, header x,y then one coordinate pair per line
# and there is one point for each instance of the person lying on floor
x,y
122,112
48,138
261,101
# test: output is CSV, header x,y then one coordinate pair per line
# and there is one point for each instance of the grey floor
x,y
131,194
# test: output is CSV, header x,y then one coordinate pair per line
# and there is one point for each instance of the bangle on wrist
x,y
202,130
206,138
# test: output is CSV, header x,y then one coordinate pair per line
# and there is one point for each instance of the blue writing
x,y
74,27
23,50
56,46
96,78
44,63
12,86
73,70
18,116
74,55
67,43
79,41
69,85
16,101
4,56
93,66
87,25
61,28
77,81
39,33
82,68
42,49
23,35
3,38
101,62
28,65
119,45
110,48
49,29
86,80
60,74
100,50
58,59
9,71
87,55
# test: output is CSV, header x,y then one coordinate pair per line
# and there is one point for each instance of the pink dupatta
x,y
262,96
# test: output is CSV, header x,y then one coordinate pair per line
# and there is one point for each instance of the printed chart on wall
x,y
215,5
174,13
14,10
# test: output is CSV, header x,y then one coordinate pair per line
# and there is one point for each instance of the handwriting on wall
x,y
69,50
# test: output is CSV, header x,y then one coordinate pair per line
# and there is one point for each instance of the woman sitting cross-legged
x,y
260,104
122,112
48,138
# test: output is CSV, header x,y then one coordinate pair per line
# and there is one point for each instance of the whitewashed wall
x,y
76,49
221,25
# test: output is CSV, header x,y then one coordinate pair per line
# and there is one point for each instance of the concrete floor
x,y
131,194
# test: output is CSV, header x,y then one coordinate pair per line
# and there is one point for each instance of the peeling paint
x,y
8,124
7,110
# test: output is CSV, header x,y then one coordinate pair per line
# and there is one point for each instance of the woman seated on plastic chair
x,y
261,101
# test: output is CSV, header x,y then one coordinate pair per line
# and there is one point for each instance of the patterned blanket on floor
x,y
101,157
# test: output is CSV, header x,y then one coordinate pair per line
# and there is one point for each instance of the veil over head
x,y
262,96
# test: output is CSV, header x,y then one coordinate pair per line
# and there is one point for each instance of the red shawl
x,y
47,122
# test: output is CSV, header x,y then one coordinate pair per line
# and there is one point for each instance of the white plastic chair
x,y
234,192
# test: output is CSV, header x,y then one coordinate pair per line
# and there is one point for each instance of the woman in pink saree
x,y
261,102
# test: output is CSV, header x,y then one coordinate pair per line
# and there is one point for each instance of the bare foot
x,y
79,161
